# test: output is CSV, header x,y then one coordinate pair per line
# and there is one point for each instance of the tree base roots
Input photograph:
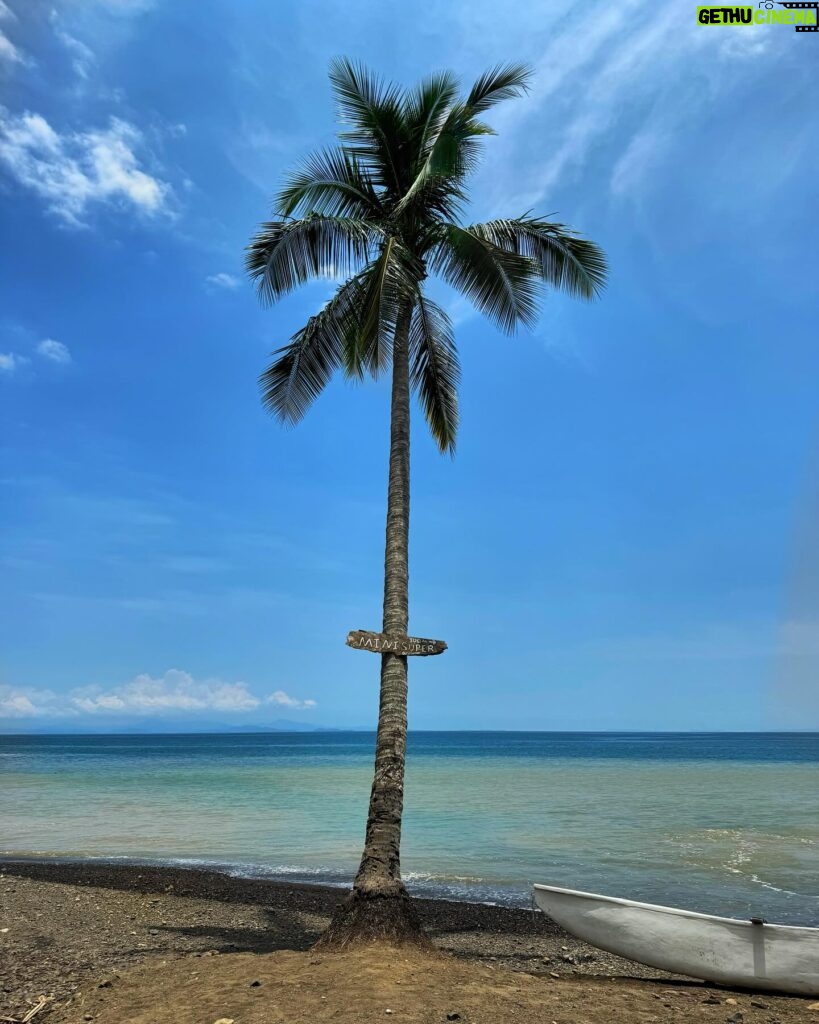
x,y
371,917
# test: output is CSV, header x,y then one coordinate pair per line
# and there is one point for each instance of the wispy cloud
x,y
82,56
641,156
223,280
74,170
11,361
174,693
615,75
8,51
55,351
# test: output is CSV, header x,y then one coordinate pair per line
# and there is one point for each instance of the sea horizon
x,y
238,730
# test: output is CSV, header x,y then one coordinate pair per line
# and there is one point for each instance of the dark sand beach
x,y
118,943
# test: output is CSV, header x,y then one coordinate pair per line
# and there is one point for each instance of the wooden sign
x,y
379,643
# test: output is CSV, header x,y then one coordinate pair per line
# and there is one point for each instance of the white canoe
x,y
745,954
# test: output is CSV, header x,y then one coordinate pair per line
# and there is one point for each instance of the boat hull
x,y
743,954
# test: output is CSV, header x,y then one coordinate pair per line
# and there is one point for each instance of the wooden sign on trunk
x,y
380,643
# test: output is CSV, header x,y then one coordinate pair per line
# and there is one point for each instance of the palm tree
x,y
382,211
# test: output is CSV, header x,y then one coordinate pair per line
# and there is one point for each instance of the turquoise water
x,y
724,824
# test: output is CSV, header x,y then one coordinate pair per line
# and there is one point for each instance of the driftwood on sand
x,y
41,1004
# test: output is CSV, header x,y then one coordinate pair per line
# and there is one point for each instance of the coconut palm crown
x,y
382,211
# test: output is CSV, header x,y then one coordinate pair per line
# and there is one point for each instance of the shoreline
x,y
72,929
420,887
71,922
146,877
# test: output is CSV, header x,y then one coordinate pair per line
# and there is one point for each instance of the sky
x,y
627,536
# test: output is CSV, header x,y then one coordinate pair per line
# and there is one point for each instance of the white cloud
x,y
75,169
6,12
82,56
8,51
223,280
16,702
284,700
175,692
605,73
611,73
54,350
10,361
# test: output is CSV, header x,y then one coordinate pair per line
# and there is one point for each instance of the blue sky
x,y
627,536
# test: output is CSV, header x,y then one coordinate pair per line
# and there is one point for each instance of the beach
x,y
89,934
216,861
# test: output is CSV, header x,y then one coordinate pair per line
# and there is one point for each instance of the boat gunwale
x,y
677,911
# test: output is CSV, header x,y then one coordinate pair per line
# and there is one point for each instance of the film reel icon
x,y
798,5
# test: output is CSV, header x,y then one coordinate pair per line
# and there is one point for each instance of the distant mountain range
x,y
285,725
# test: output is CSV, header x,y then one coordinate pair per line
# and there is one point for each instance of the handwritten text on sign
x,y
379,643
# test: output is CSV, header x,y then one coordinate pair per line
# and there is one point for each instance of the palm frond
x,y
435,369
303,368
284,254
446,149
567,261
503,82
426,112
447,155
442,199
503,285
372,113
389,282
425,109
330,182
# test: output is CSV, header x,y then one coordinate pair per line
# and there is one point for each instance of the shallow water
x,y
725,824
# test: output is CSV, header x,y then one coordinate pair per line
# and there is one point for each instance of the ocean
x,y
720,823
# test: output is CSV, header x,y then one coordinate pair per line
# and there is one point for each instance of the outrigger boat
x,y
745,954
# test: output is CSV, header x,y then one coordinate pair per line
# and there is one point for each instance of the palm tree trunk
x,y
380,869
379,906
